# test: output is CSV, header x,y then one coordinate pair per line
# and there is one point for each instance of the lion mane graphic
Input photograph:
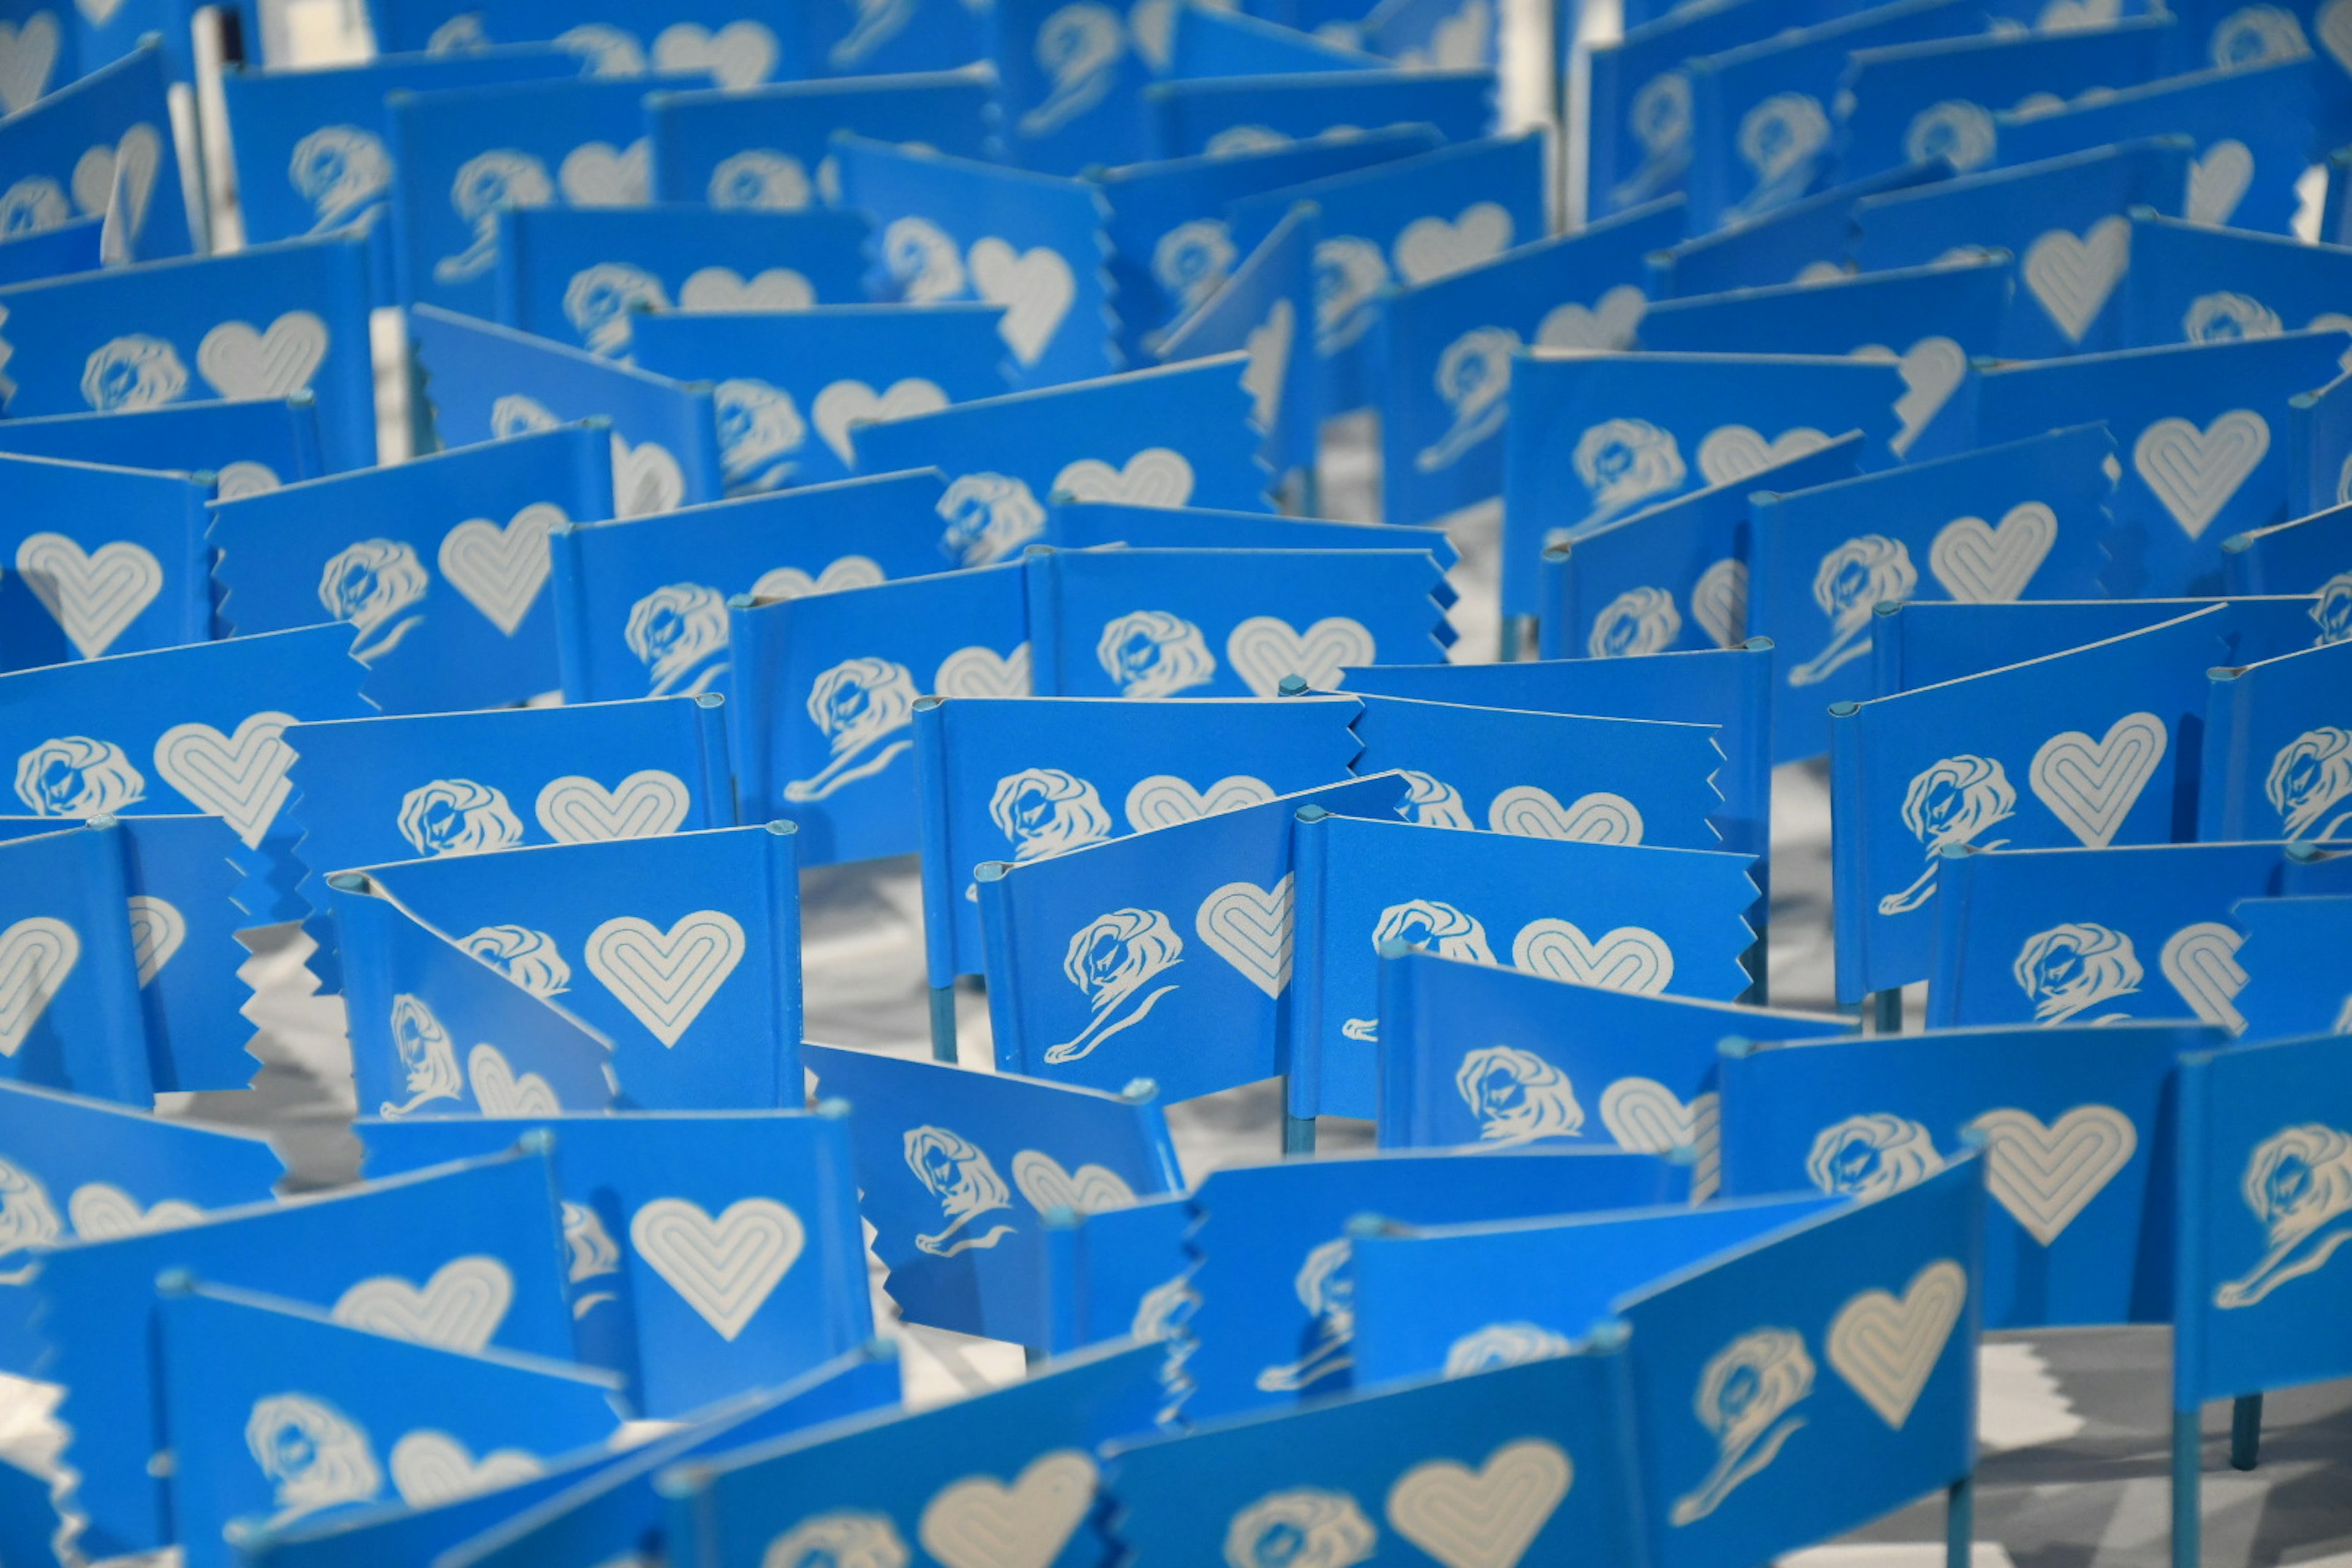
x,y
1871,1155
2071,968
864,708
1112,960
1327,1290
1745,1397
428,1058
2310,784
958,1172
1518,1096
2299,1185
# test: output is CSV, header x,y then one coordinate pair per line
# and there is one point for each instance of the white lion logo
x,y
989,515
1782,138
2075,966
1637,622
845,1539
1302,1528
1517,1096
863,706
1431,802
1349,274
2226,318
1745,1396
428,1058
2299,1185
924,259
341,171
2333,612
1045,811
1951,802
1852,581
1325,1289
133,372
32,205
759,429
458,817
27,1217
1956,131
1660,120
677,631
1474,376
1192,260
2310,777
1439,927
1503,1344
1152,653
367,586
314,1455
484,186
528,958
1626,461
761,179
75,776
600,299
1871,1155
1077,46
956,1172
1111,960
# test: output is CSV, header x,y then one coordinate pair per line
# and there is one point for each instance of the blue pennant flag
x,y
1226,623
2091,936
72,1018
957,229
1593,437
1473,1053
1938,99
1176,436
1929,321
265,322
1237,114
1019,778
465,1257
1186,929
247,445
103,1172
1264,309
741,43
2278,750
1275,1324
683,949
1071,82
1412,221
480,383
578,274
185,883
1616,914
1806,241
641,605
2074,1158
440,565
2197,433
1089,525
2199,283
277,1413
1450,339
771,147
2024,519
1304,1486
862,1491
2099,738
2064,220
64,156
1925,642
783,376
824,690
1675,576
108,560
942,1153
2290,948
709,1253
2309,555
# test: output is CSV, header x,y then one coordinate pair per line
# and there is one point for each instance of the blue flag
x,y
1071,83
64,156
771,147
1805,242
71,1016
1926,642
249,444
2278,750
2199,283
104,1171
2290,945
1263,309
1238,114
108,560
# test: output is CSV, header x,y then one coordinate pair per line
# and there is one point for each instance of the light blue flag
x,y
1233,114
742,42
1174,944
480,383
1804,242
1925,642
1176,436
2196,432
2084,748
121,114
1263,309
1475,1054
1089,525
2290,947
267,321
1025,777
2025,520
72,1018
2200,283
578,274
941,1154
100,1171
1594,437
1428,1459
863,1489
1226,623
1071,82
185,880
277,1413
440,565
2074,1133
1450,342
771,147
2064,220
709,1253
2278,750
108,560
1675,576
641,604
1273,1322
824,687
465,1257
2308,555
249,444
786,376
2054,936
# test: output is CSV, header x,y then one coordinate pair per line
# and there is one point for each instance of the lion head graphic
x,y
1849,585
958,1172
1327,1291
923,260
428,1058
27,1217
1517,1096
759,429
1349,274
677,631
314,1455
2073,967
2299,1185
458,817
2310,783
843,1539
1303,1528
486,185
1623,462
1439,927
341,171
600,299
1951,802
989,515
1153,653
1872,1155
864,707
1474,376
1111,960
1045,811
74,776
1745,1396
528,958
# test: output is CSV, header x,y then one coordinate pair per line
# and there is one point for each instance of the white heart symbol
x,y
241,362
724,289
1931,370
137,157
459,1308
1090,1189
93,596
2195,472
157,930
1533,811
1626,958
983,672
1610,323
235,480
1249,927
102,1211
1486,1518
239,778
1164,800
501,1093
2333,25
1886,1350
791,583
2091,785
599,174
2201,962
28,53
667,977
98,12
501,570
1980,564
1736,452
1153,476
2044,1176
2218,181
1264,648
645,479
1034,286
739,55
1645,1114
1268,346
575,809
726,1267
1431,248
430,1469
979,1522
1719,601
843,406
2073,277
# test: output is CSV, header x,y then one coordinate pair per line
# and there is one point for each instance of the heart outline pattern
x,y
840,406
1090,1189
1887,1347
726,1267
501,1093
1482,1518
93,596
240,778
1978,564
1163,800
430,1469
666,978
1625,958
459,1309
981,1522
2072,276
2201,963
275,361
2196,473
2044,1176
576,809
102,1211
1598,816
2092,785
1036,287
1251,928
500,571
38,955
1263,648
157,930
